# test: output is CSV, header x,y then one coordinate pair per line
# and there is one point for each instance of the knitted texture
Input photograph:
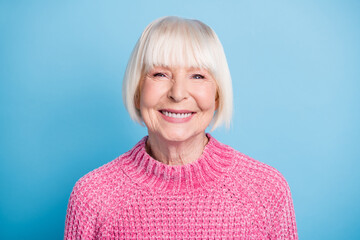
x,y
222,195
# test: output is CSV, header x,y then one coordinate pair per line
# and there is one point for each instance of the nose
x,y
178,90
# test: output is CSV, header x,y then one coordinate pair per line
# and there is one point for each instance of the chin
x,y
179,135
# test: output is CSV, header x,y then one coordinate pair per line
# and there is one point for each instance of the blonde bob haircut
x,y
175,41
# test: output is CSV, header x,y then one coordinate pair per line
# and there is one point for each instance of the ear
x,y
217,101
137,99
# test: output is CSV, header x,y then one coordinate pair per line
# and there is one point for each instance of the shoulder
x,y
260,177
245,169
110,180
99,183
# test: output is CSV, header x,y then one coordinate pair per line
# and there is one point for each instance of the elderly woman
x,y
179,182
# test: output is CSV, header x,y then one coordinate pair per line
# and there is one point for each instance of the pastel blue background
x,y
295,68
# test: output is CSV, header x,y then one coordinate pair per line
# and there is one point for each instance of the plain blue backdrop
x,y
295,67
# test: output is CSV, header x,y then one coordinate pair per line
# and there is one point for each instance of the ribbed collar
x,y
155,176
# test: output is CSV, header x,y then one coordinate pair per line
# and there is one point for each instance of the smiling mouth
x,y
176,115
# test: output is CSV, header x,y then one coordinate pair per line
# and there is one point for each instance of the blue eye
x,y
198,76
159,75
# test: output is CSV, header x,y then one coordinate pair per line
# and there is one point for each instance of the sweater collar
x,y
155,176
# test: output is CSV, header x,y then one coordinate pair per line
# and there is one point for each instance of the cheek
x,y
150,94
205,98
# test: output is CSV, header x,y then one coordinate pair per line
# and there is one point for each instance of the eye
x,y
159,74
198,76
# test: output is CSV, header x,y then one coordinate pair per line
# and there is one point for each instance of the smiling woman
x,y
179,182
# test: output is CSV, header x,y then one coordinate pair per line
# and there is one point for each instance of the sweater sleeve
x,y
283,214
81,215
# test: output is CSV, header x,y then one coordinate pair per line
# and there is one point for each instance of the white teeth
x,y
176,115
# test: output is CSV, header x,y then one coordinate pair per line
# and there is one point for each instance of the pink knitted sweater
x,y
223,195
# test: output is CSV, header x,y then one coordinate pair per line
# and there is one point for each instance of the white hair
x,y
174,41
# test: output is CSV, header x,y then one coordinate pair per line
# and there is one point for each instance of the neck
x,y
176,152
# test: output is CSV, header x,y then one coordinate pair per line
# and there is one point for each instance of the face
x,y
177,103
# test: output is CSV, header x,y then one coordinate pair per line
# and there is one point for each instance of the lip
x,y
176,120
176,111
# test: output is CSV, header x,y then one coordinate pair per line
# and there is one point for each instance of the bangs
x,y
179,45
